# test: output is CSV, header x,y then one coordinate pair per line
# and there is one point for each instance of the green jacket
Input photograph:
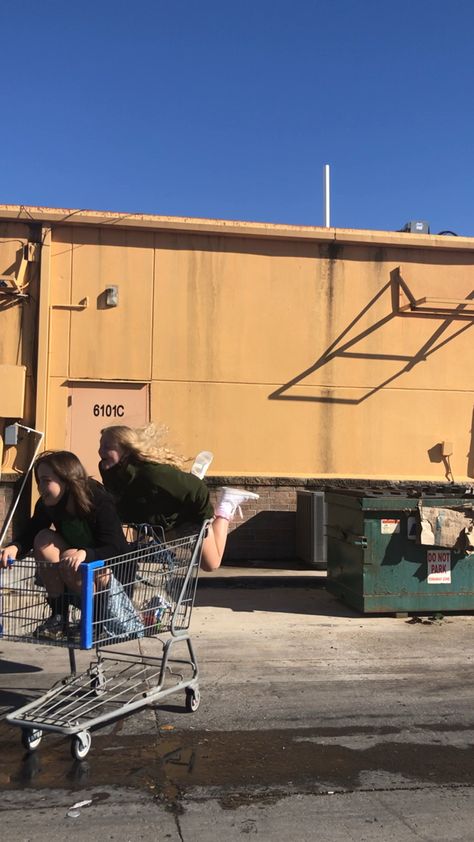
x,y
161,495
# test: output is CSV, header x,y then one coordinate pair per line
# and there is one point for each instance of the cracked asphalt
x,y
314,723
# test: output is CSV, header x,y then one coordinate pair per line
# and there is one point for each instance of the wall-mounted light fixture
x,y
112,296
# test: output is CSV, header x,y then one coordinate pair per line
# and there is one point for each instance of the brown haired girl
x,y
86,528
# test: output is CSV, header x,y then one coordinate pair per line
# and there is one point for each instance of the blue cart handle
x,y
88,569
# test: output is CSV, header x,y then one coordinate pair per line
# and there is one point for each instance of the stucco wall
x,y
284,355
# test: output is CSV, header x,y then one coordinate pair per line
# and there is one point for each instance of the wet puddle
x,y
228,764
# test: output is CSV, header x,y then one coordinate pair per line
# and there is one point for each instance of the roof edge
x,y
69,216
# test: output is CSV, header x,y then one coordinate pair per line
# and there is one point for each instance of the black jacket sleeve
x,y
104,523
41,519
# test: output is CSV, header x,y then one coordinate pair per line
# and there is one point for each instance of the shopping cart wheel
x,y
193,698
31,738
80,745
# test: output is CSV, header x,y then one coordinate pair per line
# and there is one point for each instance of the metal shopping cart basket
x,y
146,593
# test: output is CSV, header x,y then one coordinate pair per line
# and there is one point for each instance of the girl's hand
x,y
71,559
6,553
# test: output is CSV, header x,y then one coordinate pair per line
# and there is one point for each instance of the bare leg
x,y
214,544
48,546
230,500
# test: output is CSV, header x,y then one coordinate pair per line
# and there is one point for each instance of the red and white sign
x,y
389,525
439,567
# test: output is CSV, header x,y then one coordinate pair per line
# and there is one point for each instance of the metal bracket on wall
x,y
6,289
404,301
15,285
83,304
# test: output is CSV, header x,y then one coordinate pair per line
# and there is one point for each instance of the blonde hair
x,y
144,443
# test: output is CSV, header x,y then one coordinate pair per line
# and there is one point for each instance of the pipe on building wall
x,y
42,365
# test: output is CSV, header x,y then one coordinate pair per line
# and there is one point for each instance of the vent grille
x,y
311,528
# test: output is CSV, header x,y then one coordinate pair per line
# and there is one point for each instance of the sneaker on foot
x,y
52,628
73,633
230,501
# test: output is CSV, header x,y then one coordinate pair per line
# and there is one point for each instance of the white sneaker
x,y
230,501
201,463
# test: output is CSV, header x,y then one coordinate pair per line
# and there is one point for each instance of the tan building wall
x,y
281,349
19,292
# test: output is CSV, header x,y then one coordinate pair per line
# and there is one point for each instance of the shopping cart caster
x,y
193,699
31,738
80,745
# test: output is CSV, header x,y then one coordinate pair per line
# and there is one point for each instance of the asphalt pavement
x,y
315,723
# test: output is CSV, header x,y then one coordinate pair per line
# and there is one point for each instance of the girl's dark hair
x,y
71,471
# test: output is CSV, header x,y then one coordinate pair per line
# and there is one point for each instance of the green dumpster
x,y
375,562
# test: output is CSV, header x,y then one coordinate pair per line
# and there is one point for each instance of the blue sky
x,y
230,110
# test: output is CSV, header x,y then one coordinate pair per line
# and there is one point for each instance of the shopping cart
x,y
146,593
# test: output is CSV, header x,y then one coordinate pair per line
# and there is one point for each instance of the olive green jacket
x,y
161,495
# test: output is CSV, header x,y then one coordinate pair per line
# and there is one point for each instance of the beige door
x,y
93,406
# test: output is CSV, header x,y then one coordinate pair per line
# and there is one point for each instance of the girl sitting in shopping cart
x,y
86,527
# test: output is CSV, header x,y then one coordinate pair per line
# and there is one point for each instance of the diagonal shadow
x,y
470,455
341,351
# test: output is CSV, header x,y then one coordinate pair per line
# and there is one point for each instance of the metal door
x,y
93,406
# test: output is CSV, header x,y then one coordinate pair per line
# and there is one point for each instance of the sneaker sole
x,y
249,494
50,636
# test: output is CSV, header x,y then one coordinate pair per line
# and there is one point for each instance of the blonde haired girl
x,y
145,443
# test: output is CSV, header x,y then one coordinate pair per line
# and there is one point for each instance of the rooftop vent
x,y
416,226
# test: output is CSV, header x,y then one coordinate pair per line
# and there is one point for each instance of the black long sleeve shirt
x,y
103,524
162,495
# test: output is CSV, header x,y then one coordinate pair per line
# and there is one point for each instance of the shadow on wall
x,y
346,348
470,455
267,535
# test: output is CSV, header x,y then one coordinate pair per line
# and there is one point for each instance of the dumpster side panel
x,y
394,573
345,563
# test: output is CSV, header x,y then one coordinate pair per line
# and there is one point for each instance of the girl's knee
x,y
44,539
48,545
